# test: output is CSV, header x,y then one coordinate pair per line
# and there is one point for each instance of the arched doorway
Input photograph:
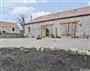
x,y
47,32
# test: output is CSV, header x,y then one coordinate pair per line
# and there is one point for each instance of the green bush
x,y
80,52
84,52
24,50
39,37
72,50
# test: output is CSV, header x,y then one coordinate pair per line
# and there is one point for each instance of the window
x,y
29,29
3,31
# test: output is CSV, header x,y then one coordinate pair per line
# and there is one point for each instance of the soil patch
x,y
48,60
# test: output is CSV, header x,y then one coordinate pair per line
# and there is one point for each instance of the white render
x,y
9,30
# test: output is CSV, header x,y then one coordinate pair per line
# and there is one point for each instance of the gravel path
x,y
46,42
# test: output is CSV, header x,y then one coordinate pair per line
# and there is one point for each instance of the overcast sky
x,y
11,9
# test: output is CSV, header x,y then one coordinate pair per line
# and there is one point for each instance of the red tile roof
x,y
7,24
64,14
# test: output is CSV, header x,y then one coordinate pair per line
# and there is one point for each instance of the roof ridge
x,y
8,22
64,11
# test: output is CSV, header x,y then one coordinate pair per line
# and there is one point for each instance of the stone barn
x,y
71,23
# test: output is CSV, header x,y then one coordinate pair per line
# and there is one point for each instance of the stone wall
x,y
83,22
10,30
34,30
85,25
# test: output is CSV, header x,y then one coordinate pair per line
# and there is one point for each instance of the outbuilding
x,y
9,28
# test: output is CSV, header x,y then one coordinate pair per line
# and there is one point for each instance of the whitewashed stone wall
x,y
85,25
36,28
57,29
9,30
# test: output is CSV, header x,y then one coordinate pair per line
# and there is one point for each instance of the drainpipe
x,y
56,32
41,31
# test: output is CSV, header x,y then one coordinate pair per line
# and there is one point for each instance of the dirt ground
x,y
30,59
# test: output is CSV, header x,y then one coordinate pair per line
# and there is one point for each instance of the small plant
x,y
84,52
37,49
80,52
40,49
87,36
32,36
25,50
52,35
58,37
39,37
72,50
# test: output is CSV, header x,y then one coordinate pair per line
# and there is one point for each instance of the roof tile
x,y
64,14
7,24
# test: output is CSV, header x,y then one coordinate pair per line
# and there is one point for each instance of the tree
x,y
21,21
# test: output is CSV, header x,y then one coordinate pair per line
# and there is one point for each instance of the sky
x,y
10,10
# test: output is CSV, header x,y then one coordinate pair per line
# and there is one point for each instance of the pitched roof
x,y
7,24
64,14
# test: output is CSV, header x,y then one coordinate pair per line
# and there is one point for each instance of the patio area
x,y
64,43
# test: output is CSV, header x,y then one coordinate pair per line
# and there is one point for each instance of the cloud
x,y
38,14
21,10
9,4
23,1
13,8
89,3
42,0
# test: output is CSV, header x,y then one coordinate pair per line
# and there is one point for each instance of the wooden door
x,y
47,32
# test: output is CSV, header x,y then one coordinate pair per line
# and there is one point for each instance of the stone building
x,y
71,23
9,28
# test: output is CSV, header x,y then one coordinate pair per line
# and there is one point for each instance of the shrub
x,y
39,37
24,50
72,50
52,35
58,37
83,52
32,36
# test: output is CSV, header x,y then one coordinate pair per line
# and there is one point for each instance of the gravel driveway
x,y
46,42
